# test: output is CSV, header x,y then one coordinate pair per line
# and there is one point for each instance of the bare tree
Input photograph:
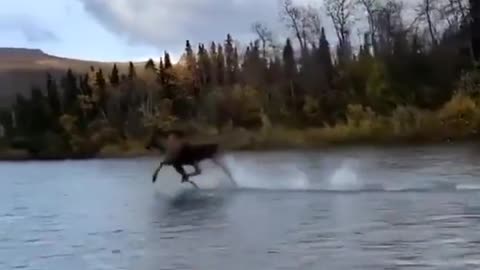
x,y
426,11
371,7
389,23
292,15
341,14
475,28
312,25
455,12
462,8
265,36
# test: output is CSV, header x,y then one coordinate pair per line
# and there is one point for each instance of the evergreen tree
x,y
204,65
324,56
254,67
168,63
230,59
188,50
289,64
41,118
114,78
53,96
170,79
101,90
71,92
100,80
87,92
220,66
132,74
22,113
191,66
150,65
85,86
235,66
213,63
290,72
161,72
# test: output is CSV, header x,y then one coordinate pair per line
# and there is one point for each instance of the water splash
x,y
249,174
468,187
345,178
272,175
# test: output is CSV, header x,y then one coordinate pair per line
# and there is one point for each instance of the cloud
x,y
30,29
168,23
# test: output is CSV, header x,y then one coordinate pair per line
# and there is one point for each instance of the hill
x,y
20,68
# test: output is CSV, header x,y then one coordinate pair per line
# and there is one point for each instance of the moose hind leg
x,y
181,171
197,170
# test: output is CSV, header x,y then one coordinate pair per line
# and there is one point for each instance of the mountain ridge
x,y
22,68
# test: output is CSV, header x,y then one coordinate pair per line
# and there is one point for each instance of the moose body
x,y
180,153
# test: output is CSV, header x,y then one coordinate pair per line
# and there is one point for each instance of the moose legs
x,y
185,176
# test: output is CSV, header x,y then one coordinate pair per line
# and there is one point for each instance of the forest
x,y
413,76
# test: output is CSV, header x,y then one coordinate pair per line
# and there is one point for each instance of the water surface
x,y
354,208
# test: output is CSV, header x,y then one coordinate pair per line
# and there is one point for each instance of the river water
x,y
350,208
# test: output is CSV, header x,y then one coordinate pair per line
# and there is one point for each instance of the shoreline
x,y
22,156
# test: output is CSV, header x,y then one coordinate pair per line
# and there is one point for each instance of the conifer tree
x,y
169,74
289,60
230,59
161,72
213,63
325,57
290,72
220,66
204,65
114,78
191,65
53,96
101,90
150,65
40,116
132,74
70,89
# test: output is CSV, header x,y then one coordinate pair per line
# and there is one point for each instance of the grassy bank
x,y
457,120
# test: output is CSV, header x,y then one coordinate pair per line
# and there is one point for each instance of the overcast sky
x,y
121,30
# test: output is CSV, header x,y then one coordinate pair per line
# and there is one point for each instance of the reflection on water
x,y
357,208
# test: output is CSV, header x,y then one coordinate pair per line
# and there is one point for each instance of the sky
x,y
124,30
129,30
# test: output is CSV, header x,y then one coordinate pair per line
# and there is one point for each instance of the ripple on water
x,y
9,217
34,240
56,256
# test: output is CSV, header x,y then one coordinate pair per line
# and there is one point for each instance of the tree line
x,y
304,81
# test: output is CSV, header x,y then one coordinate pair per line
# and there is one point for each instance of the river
x,y
349,208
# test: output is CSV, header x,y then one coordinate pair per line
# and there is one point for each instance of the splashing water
x,y
345,178
252,175
288,176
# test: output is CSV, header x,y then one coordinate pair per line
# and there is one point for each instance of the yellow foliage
x,y
404,120
68,122
357,114
460,106
243,105
311,107
460,116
